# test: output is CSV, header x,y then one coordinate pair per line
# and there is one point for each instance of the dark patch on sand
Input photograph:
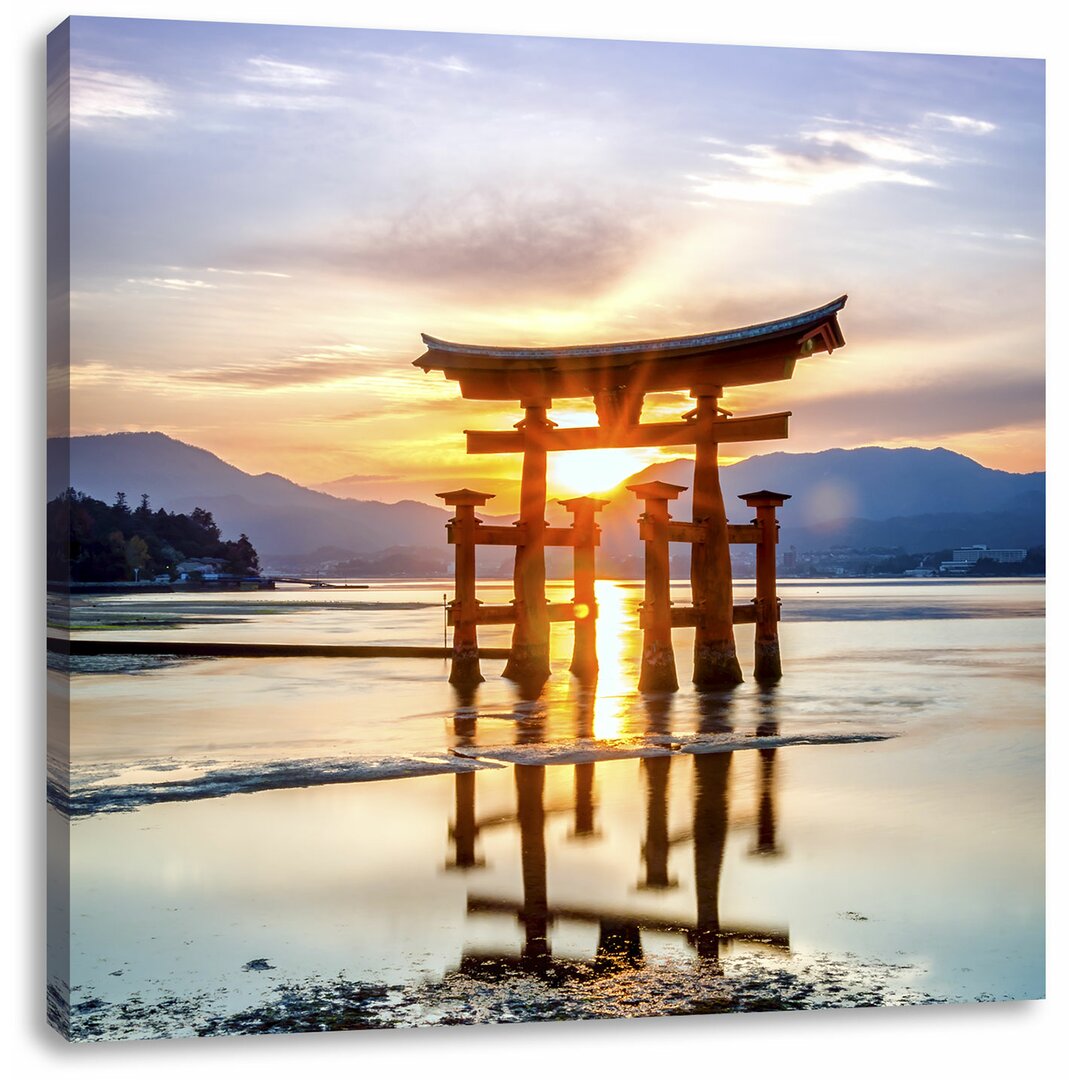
x,y
537,991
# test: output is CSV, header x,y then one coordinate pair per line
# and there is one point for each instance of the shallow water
x,y
869,831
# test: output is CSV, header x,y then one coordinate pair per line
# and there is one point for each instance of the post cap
x,y
764,498
463,497
656,489
583,502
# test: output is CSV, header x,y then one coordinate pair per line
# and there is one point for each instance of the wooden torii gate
x,y
617,376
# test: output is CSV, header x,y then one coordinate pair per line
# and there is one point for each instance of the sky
x,y
265,218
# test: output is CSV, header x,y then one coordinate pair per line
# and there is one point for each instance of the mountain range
x,y
909,498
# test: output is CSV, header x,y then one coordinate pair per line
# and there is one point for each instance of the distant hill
x,y
278,515
919,500
871,482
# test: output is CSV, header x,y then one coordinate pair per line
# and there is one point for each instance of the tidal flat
x,y
307,844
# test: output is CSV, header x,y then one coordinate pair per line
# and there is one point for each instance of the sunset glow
x,y
595,472
265,300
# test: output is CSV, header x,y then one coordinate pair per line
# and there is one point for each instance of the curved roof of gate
x,y
445,355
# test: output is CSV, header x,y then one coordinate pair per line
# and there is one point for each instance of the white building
x,y
963,559
207,569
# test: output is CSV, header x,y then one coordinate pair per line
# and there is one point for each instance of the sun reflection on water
x,y
617,640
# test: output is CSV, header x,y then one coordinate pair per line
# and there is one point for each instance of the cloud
x,y
966,125
99,96
288,87
453,65
175,284
239,377
387,384
503,241
761,173
873,145
957,406
1008,237
821,161
277,73
285,101
247,273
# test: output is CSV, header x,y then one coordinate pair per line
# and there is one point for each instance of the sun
x,y
594,472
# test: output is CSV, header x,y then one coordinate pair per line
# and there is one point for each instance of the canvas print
x,y
538,529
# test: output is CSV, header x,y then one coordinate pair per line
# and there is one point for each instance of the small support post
x,y
530,661
715,661
766,636
584,663
657,655
465,661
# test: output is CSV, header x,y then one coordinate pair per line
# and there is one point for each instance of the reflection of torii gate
x,y
620,931
617,377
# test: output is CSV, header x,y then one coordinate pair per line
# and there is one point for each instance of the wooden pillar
x,y
619,944
529,780
766,822
766,636
464,832
715,661
657,655
584,807
529,649
711,772
584,663
584,772
465,662
657,846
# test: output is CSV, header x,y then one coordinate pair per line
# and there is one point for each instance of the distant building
x,y
920,571
966,557
790,559
207,569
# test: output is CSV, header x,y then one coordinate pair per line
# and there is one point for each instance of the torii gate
x,y
617,376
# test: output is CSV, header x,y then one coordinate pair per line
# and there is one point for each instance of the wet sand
x,y
578,856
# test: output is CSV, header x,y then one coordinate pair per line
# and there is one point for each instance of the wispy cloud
x,y
99,96
839,156
453,65
314,369
1013,237
524,242
767,174
247,273
284,100
874,145
951,406
966,125
277,73
819,161
174,284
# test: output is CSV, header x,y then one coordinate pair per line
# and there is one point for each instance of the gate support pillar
x,y
586,536
465,663
767,632
715,661
657,656
529,661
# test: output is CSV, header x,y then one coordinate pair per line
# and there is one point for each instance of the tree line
x,y
89,540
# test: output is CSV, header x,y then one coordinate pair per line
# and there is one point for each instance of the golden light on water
x,y
617,644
